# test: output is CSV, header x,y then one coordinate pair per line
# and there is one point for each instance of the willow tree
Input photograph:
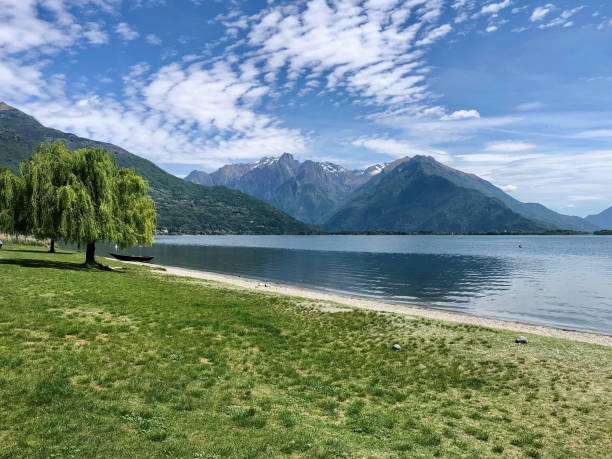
x,y
101,202
12,218
44,176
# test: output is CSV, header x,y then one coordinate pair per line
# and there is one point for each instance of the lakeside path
x,y
381,306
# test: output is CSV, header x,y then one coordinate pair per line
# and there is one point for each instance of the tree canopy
x,y
106,203
81,197
43,177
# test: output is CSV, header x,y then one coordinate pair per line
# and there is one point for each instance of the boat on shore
x,y
120,257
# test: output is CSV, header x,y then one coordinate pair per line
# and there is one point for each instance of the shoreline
x,y
382,306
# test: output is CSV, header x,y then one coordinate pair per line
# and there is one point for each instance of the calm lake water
x,y
562,281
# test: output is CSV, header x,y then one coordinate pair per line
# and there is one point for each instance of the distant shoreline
x,y
399,233
382,306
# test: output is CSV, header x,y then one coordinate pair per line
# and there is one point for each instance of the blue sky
x,y
518,92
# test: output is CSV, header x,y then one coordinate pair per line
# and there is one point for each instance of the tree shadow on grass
x,y
37,251
28,263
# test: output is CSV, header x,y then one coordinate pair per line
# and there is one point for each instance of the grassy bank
x,y
133,364
10,240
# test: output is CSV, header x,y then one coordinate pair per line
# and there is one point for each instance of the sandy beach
x,y
378,305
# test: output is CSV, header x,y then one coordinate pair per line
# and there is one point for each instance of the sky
x,y
517,92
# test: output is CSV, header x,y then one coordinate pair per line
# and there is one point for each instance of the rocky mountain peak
x,y
286,157
10,115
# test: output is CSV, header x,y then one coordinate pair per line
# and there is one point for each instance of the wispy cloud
x,y
367,50
494,8
398,148
461,115
126,32
153,39
434,35
509,146
95,34
540,12
562,19
526,106
594,134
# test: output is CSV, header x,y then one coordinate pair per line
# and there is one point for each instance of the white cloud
x,y
364,49
21,28
462,115
494,158
18,81
586,197
443,131
434,35
540,12
126,33
562,19
509,146
526,106
594,134
398,148
95,34
508,188
494,8
545,177
153,39
606,23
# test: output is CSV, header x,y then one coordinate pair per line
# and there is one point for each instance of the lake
x,y
561,281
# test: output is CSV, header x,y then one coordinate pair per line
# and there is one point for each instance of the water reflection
x,y
415,277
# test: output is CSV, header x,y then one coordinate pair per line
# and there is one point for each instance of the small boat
x,y
130,257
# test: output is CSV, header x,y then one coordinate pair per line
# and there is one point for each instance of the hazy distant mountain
x,y
603,219
181,206
200,177
309,191
420,195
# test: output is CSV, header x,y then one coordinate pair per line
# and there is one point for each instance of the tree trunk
x,y
52,246
90,254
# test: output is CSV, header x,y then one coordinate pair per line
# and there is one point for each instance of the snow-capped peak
x,y
332,168
265,161
375,169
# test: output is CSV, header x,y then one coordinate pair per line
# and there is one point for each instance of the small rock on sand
x,y
521,340
397,347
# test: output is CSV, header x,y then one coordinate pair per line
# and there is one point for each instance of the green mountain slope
x,y
533,211
414,197
304,200
181,206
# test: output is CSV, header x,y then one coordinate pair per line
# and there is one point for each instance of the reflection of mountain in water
x,y
399,277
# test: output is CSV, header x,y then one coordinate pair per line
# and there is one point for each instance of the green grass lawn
x,y
138,364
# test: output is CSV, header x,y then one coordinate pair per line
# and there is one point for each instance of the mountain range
x,y
310,191
181,206
407,195
603,219
276,195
